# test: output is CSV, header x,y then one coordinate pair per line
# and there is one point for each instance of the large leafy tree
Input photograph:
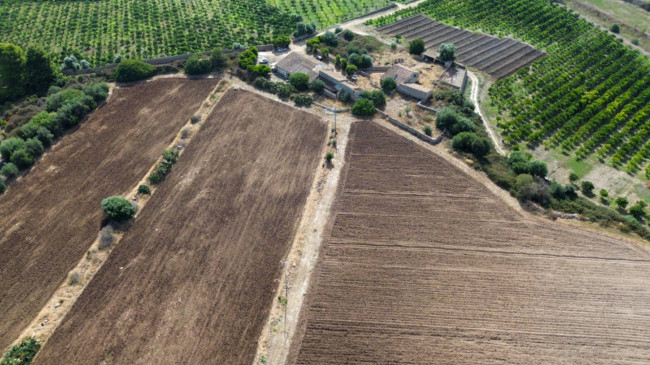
x,y
40,71
12,71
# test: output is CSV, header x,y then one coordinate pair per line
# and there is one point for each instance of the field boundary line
x,y
65,296
477,109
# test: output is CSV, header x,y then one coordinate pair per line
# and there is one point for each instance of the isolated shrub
x,y
447,52
98,91
635,41
363,107
366,61
23,353
354,59
427,130
416,46
198,65
603,194
303,100
638,211
344,96
8,146
328,157
573,177
348,35
117,208
74,278
393,45
133,70
587,187
34,147
185,133
317,86
330,39
377,97
195,119
621,202
144,189
106,237
350,70
21,158
388,84
9,170
538,168
299,80
615,28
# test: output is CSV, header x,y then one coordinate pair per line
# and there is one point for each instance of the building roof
x,y
295,62
399,73
454,76
417,87
431,53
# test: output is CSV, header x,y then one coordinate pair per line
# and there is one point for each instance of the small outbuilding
x,y
402,74
295,62
415,91
339,83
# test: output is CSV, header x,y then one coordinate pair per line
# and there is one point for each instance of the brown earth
x,y
192,281
50,217
425,265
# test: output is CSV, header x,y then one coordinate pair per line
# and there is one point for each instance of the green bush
x,y
416,46
45,136
9,170
117,208
363,107
260,70
283,90
281,41
317,86
377,97
303,100
348,35
447,52
299,80
3,187
23,353
638,211
615,28
427,130
587,187
98,91
350,70
328,157
8,146
56,101
330,39
247,59
34,147
144,189
573,177
621,202
344,96
217,59
388,84
462,125
198,65
133,70
470,142
538,168
21,158
366,61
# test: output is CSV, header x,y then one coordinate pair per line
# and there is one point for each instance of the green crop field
x,y
328,12
591,95
99,30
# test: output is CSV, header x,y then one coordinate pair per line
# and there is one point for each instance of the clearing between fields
x,y
192,281
424,262
50,217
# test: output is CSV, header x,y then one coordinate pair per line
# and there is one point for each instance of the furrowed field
x,y
590,95
100,30
328,12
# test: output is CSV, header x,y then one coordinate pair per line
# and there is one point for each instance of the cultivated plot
x,y
424,265
497,57
193,279
51,217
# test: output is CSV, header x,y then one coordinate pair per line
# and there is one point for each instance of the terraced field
x,y
50,217
425,265
193,279
499,57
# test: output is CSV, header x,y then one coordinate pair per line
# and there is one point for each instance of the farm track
x,y
51,216
424,263
473,50
193,279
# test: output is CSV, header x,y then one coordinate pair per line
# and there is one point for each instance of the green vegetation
x,y
388,84
164,167
144,189
303,100
23,353
427,130
132,70
198,65
328,157
615,28
447,52
327,12
299,80
363,107
416,46
100,30
377,97
24,73
317,86
590,94
117,208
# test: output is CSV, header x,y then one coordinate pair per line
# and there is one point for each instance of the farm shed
x,y
295,62
430,55
402,74
339,83
415,91
455,77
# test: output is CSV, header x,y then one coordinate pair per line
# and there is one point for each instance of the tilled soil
x,y
424,265
193,279
50,217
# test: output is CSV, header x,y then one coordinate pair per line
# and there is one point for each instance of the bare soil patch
x,y
193,280
424,263
50,217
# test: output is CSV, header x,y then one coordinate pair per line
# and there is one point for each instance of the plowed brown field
x,y
193,279
424,265
51,217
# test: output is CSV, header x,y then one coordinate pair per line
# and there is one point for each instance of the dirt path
x,y
275,340
474,96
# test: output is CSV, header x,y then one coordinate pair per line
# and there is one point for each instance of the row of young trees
x,y
588,95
